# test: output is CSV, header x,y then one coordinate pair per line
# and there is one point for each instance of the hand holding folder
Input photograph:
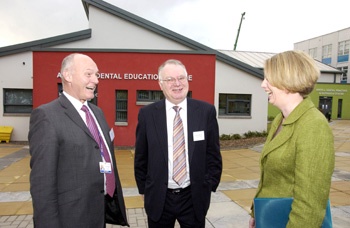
x,y
274,213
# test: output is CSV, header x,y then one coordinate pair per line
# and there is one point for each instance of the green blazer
x,y
299,162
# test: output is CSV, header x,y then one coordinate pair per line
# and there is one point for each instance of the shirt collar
x,y
169,105
75,102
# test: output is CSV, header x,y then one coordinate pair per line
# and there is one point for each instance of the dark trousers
x,y
178,206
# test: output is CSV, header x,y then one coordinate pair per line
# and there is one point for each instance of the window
x,y
344,76
18,101
327,54
327,51
343,51
313,52
121,106
235,104
343,48
60,89
149,95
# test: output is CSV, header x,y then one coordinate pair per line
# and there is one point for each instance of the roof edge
x,y
240,65
47,42
114,10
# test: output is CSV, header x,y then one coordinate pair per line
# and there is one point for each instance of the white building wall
x,y
111,32
230,80
16,72
318,42
344,34
329,78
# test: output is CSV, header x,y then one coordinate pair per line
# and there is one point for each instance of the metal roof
x,y
257,60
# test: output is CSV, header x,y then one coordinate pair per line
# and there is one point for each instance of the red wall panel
x,y
122,67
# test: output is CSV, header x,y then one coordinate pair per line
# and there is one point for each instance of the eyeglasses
x,y
171,80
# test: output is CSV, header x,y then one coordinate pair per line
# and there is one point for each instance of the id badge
x,y
105,167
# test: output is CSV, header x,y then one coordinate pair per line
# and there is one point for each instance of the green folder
x,y
274,213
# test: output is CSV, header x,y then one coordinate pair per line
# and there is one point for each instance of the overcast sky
x,y
268,25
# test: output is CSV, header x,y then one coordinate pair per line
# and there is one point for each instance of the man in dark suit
x,y
175,190
68,181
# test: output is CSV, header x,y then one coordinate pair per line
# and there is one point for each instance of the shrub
x,y
236,136
225,137
249,134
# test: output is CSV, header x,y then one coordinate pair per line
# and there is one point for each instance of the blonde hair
x,y
294,71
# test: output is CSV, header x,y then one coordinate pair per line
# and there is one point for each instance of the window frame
x,y
152,94
343,47
327,51
344,76
313,52
228,101
28,106
121,111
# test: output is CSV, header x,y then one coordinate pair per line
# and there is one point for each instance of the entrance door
x,y
325,105
340,107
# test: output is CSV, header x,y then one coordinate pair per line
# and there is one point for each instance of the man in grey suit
x,y
67,185
173,128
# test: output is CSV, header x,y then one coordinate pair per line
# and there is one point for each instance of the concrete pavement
x,y
229,205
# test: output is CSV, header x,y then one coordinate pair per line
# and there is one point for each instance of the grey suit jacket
x,y
151,156
66,185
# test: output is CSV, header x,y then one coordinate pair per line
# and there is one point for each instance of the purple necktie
x,y
91,124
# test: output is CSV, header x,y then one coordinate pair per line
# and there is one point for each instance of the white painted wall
x,y
331,38
234,81
110,32
328,78
16,75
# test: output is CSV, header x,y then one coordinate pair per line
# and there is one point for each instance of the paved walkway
x,y
229,205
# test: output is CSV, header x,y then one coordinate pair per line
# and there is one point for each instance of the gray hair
x,y
171,62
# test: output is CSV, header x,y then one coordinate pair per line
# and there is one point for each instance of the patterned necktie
x,y
91,124
179,155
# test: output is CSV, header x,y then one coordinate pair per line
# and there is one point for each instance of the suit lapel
x,y
193,122
283,136
159,120
72,113
288,126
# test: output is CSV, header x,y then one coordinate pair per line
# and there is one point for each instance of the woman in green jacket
x,y
298,157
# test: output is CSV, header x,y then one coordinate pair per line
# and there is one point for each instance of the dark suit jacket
x,y
151,156
66,185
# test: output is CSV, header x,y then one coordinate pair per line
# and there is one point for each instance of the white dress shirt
x,y
170,115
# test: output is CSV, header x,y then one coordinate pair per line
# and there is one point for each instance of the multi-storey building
x,y
332,49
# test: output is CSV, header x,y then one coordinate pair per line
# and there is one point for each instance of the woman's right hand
x,y
252,223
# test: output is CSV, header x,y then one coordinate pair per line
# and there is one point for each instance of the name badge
x,y
105,167
198,135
